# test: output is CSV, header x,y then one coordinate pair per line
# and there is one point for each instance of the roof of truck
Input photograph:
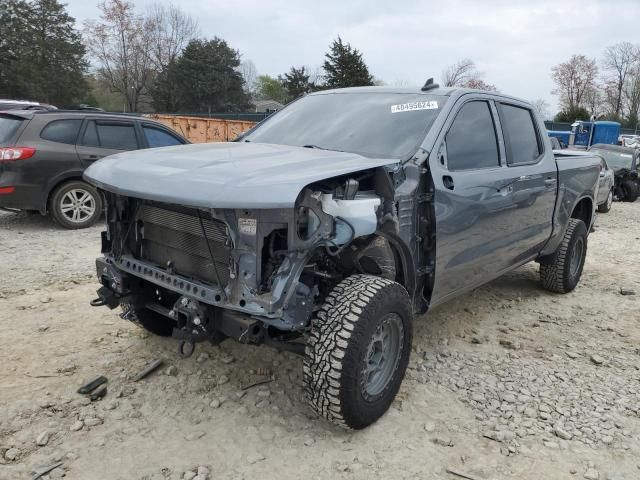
x,y
442,91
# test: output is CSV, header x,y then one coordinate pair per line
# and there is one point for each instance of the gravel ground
x,y
508,381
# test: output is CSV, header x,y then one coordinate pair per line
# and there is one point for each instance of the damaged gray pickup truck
x,y
327,227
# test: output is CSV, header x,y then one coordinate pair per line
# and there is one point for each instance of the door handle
x,y
550,181
92,158
447,181
523,178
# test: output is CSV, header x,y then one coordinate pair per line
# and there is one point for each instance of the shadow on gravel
x,y
29,222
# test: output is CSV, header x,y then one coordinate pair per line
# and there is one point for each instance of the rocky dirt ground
x,y
508,381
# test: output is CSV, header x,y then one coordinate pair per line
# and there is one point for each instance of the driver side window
x,y
472,142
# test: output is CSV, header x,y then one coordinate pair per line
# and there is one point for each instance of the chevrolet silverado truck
x,y
327,227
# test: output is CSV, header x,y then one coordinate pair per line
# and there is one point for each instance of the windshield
x,y
615,160
373,124
8,126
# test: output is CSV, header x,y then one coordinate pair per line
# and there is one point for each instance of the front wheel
x,y
561,271
606,206
76,205
358,350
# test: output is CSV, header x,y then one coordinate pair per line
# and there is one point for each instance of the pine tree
x,y
344,67
14,41
58,62
208,79
41,53
297,83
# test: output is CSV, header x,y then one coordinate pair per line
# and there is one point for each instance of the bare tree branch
x,y
618,61
459,73
573,80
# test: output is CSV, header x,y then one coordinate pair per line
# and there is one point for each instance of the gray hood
x,y
223,175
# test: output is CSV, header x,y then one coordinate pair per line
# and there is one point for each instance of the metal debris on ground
x,y
41,470
92,385
98,393
461,474
148,369
257,382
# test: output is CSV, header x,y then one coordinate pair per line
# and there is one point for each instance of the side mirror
x,y
601,173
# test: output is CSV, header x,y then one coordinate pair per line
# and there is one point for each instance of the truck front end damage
x,y
254,275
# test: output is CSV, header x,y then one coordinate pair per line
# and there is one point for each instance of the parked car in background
x,y
561,136
629,141
24,105
557,144
43,154
624,163
605,195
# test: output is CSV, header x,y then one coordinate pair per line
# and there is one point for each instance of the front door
x,y
473,200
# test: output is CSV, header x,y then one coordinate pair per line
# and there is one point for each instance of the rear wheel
x,y
606,206
561,271
358,350
76,205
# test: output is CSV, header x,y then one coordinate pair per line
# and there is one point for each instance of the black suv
x,y
44,153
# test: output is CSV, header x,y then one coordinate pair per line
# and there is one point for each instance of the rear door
x,y
534,176
102,137
473,199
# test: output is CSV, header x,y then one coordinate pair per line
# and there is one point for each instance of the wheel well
x,y
74,178
583,211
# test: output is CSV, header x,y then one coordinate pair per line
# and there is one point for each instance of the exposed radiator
x,y
176,236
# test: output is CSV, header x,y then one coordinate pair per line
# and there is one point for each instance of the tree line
x,y
607,89
158,60
152,60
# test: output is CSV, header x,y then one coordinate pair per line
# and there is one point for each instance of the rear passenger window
x,y
520,135
159,138
471,140
62,131
114,136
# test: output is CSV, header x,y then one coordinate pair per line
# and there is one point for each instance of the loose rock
x,y
592,474
255,457
195,436
93,421
77,425
11,454
42,439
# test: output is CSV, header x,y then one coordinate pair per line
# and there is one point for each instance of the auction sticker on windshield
x,y
410,107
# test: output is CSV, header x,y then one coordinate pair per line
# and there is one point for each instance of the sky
x,y
514,43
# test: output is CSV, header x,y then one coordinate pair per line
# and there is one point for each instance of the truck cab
x,y
584,134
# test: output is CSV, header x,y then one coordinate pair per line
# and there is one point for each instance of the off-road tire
x,y
557,271
151,321
606,206
56,204
338,347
